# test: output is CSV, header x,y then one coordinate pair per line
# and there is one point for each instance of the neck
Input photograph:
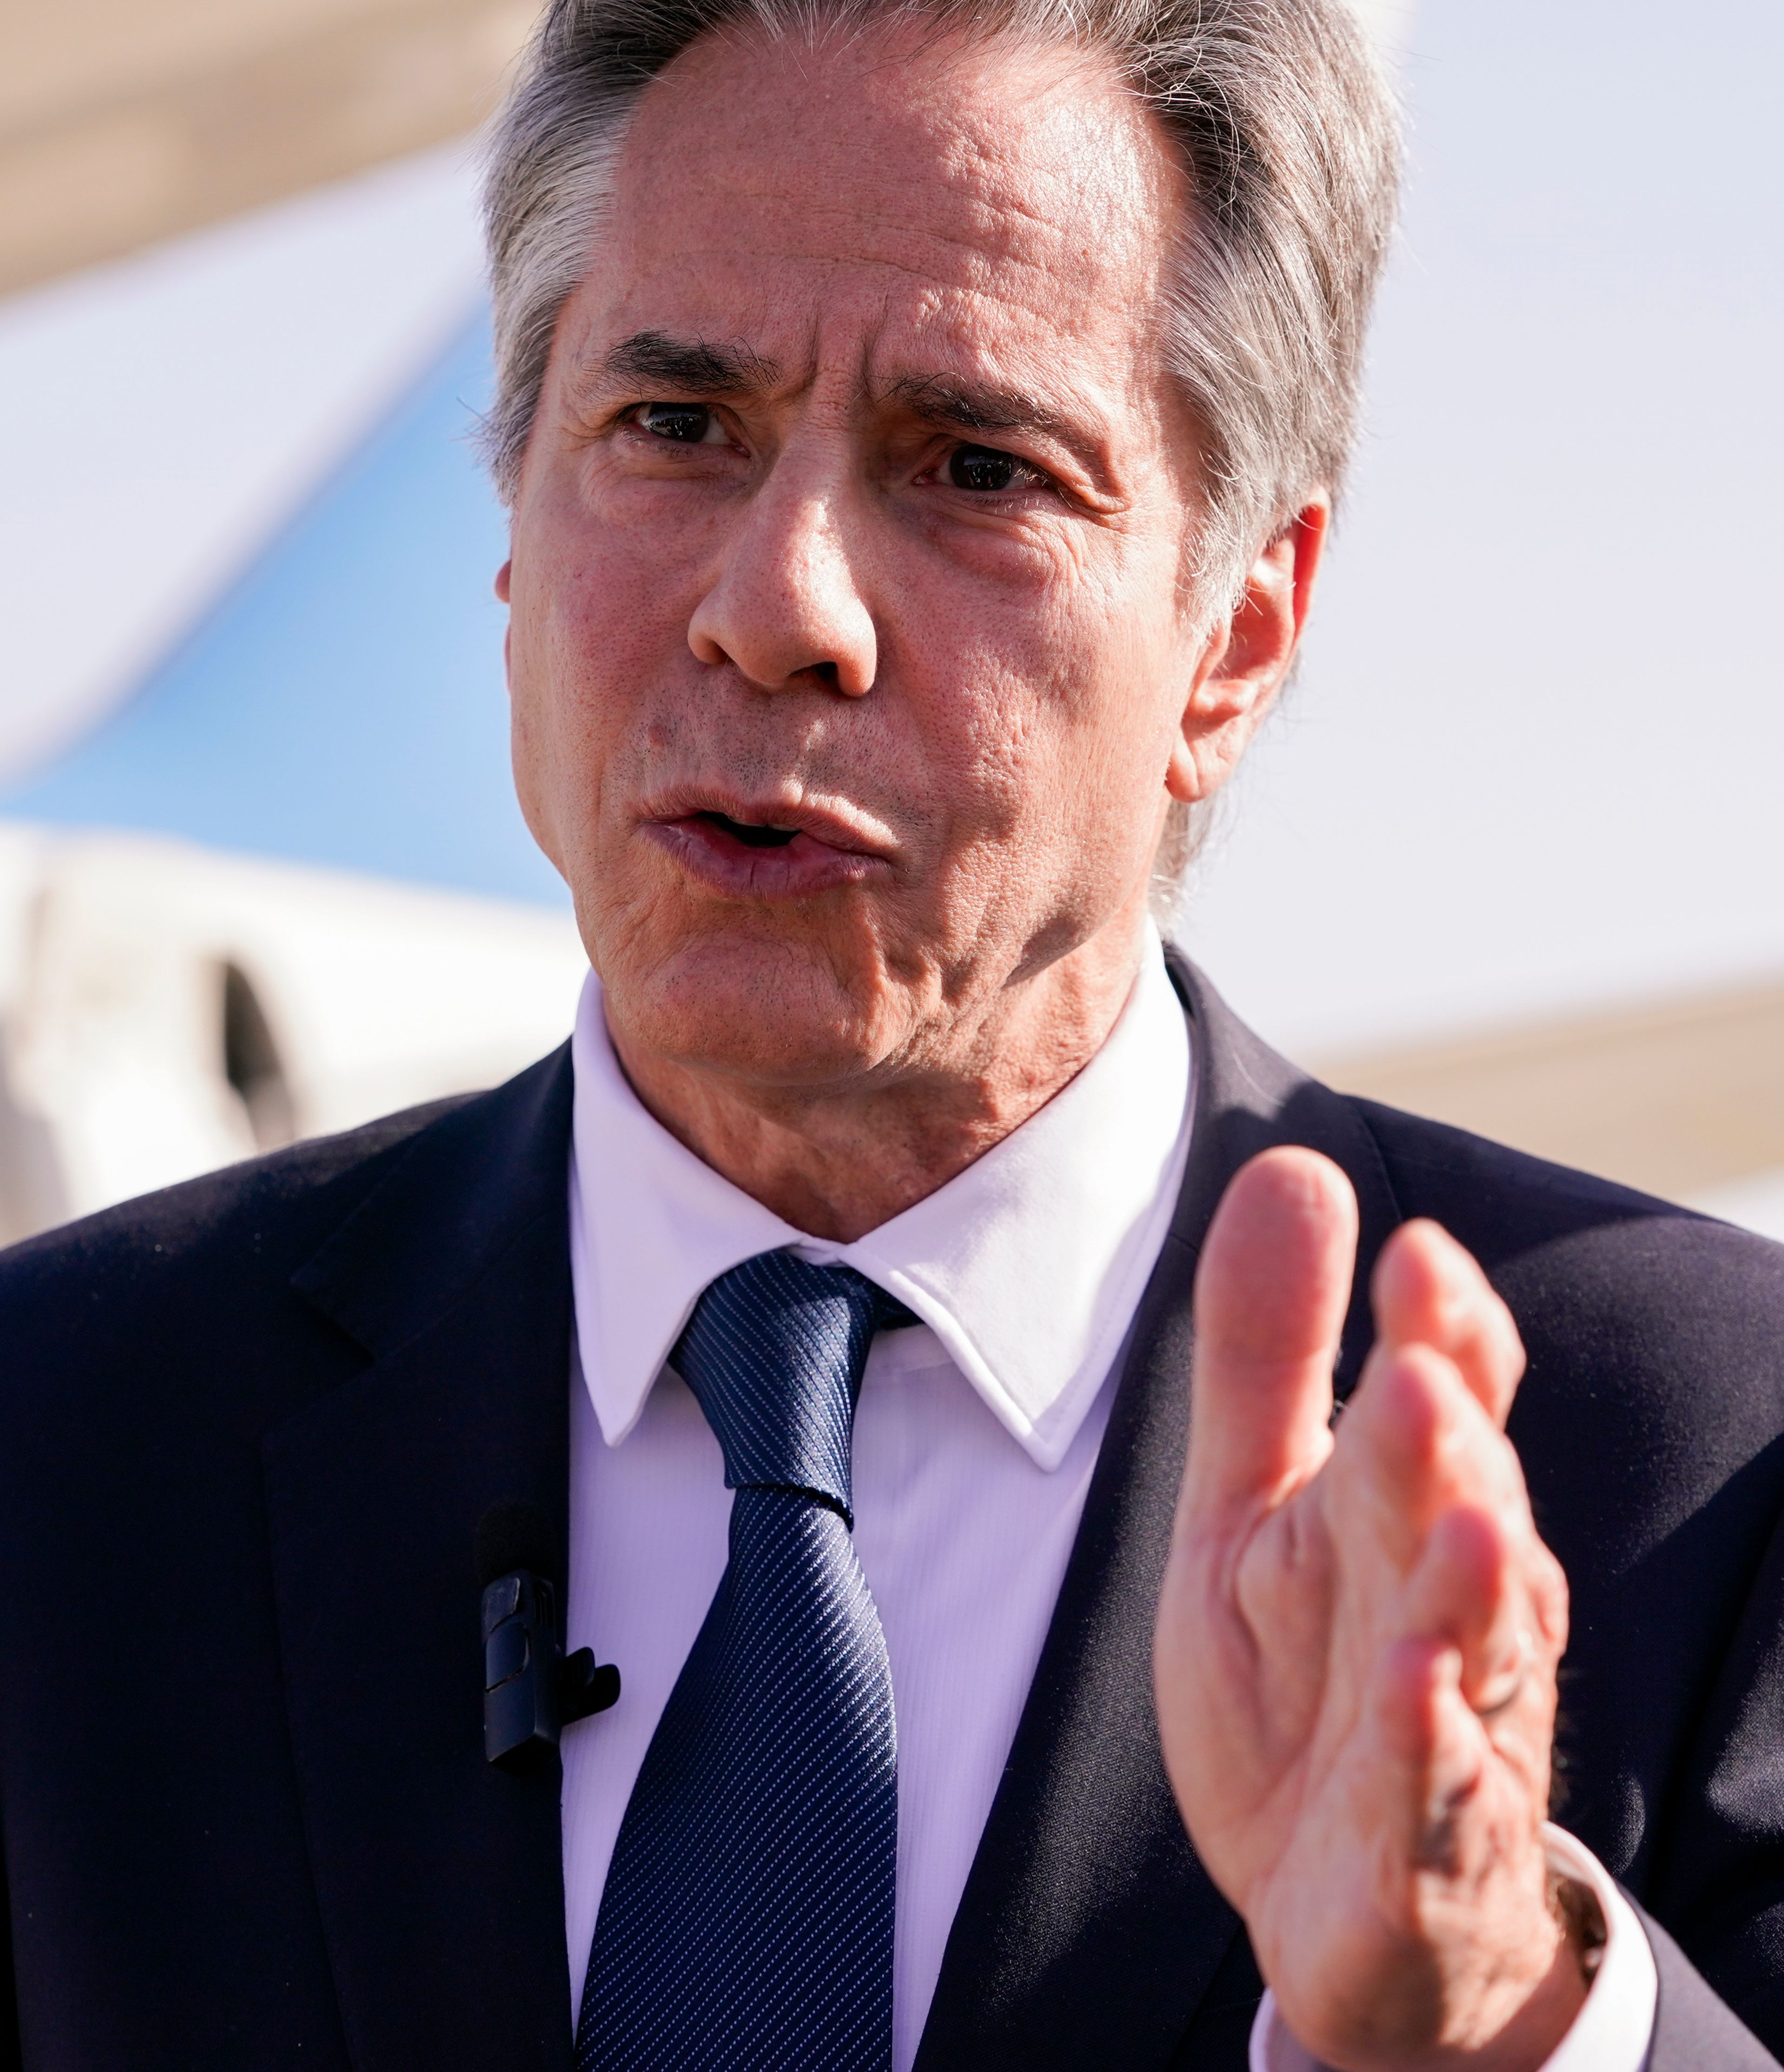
x,y
839,1159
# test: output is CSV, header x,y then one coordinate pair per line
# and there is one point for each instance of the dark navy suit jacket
x,y
248,1427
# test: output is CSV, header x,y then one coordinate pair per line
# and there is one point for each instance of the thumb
x,y
1271,1290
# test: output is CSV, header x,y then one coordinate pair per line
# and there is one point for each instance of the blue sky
x,y
342,703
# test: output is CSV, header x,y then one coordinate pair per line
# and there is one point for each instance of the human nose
x,y
786,604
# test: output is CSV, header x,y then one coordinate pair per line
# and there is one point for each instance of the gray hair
x,y
1285,127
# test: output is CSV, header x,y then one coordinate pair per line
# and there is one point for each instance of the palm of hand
x,y
1357,1640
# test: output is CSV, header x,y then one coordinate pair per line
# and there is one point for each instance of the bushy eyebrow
x,y
651,359
960,406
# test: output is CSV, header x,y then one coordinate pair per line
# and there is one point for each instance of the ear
x,y
1247,658
504,577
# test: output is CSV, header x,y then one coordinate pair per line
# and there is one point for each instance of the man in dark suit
x,y
919,425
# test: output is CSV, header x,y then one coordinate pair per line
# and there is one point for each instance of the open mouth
x,y
759,860
747,831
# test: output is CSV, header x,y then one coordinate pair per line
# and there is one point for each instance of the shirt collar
x,y
1028,1266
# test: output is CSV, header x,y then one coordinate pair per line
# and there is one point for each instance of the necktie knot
x,y
774,1353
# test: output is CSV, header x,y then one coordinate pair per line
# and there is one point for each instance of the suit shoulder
x,y
1648,1273
181,1328
168,1327
217,1254
1434,1165
284,1200
316,1180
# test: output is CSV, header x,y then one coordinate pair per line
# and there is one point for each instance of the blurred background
x,y
1511,854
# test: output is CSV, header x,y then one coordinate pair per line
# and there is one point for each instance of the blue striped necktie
x,y
747,1920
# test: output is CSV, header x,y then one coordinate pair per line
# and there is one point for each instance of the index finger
x,y
1429,1290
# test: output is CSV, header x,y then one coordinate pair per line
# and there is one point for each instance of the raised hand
x,y
1357,1640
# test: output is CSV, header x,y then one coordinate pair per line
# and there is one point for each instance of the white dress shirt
x,y
975,1438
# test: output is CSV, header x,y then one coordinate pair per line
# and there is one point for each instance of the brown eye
x,y
689,423
985,470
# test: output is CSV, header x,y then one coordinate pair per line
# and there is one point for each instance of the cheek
x,y
602,599
1123,688
599,619
1061,747
1052,705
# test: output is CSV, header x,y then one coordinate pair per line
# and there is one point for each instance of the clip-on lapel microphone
x,y
531,1691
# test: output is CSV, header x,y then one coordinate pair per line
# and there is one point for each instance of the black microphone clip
x,y
531,1691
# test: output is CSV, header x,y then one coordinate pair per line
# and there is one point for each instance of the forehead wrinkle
x,y
1066,187
1000,231
1003,213
1012,285
991,237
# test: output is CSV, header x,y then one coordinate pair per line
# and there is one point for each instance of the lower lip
x,y
797,870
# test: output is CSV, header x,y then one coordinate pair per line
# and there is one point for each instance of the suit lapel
x,y
1088,1932
439,1878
